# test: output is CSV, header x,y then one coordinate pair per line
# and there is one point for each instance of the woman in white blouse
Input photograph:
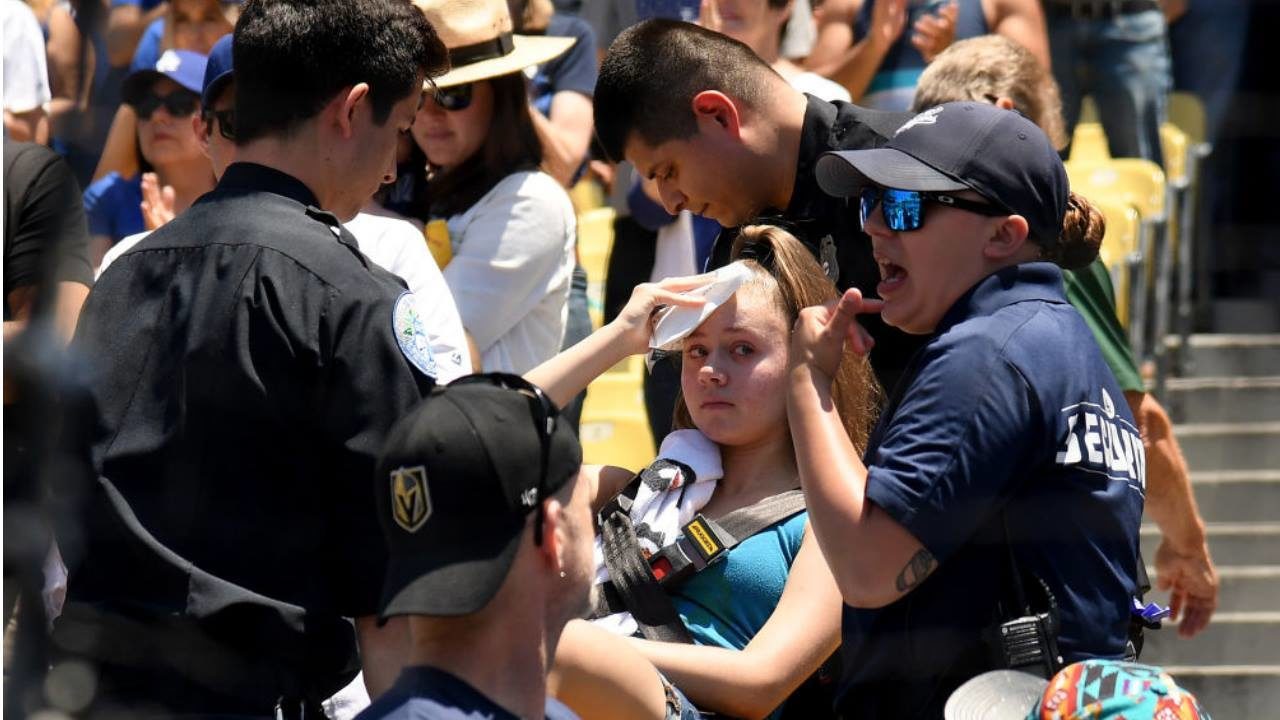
x,y
511,226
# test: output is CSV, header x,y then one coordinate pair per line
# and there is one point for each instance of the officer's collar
x,y
1018,283
252,176
815,139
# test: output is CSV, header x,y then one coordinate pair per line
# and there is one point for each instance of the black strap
x,y
634,582
497,47
640,593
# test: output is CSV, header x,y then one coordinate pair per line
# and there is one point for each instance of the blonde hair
x,y
989,67
786,269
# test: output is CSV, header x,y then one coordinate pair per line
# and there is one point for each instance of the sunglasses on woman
x,y
179,103
544,414
454,97
903,210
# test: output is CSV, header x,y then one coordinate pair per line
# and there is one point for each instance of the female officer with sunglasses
x,y
1000,494
165,99
511,227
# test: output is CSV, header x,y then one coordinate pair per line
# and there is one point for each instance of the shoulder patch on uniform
x,y
406,323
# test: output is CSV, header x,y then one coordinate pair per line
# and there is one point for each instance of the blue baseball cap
x,y
218,72
181,66
976,146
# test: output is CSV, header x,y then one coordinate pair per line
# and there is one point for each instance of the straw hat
x,y
480,40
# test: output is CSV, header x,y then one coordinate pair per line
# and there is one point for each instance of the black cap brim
x,y
136,85
845,174
439,584
214,88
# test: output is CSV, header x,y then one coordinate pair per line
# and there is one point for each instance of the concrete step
x,y
1229,543
1232,638
1230,446
1225,355
1231,692
1241,588
1223,399
1237,495
1245,315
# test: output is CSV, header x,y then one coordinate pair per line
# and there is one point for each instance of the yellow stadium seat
x,y
1120,249
586,195
595,242
1187,112
1089,143
1140,183
615,428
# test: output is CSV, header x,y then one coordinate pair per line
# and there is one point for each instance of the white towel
x,y
666,500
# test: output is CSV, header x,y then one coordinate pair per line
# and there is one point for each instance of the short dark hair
x,y
292,56
652,72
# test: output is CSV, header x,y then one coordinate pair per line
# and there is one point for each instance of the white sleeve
x,y
439,311
400,247
510,254
26,73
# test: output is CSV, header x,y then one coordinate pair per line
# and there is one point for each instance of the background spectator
x,y
26,74
511,226
881,66
165,100
84,83
1118,53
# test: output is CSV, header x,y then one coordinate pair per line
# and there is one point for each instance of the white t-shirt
x,y
511,267
819,87
26,73
398,246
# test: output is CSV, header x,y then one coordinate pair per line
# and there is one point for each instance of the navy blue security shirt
x,y
1008,423
426,693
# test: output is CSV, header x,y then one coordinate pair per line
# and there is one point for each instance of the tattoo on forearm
x,y
917,569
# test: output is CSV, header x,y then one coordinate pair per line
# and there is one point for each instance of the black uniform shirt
x,y
246,366
829,226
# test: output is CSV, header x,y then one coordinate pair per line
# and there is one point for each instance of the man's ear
x,y
1009,238
1005,103
201,129
714,107
347,103
551,552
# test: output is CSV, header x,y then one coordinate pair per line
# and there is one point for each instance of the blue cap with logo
x,y
181,66
218,72
976,146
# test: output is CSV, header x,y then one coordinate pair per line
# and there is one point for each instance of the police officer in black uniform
x,y
247,362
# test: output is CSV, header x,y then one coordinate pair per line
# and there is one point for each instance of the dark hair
x,y
783,266
292,56
653,70
1082,229
510,145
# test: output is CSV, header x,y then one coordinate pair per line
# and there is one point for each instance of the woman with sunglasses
x,y
766,615
511,227
1000,495
164,100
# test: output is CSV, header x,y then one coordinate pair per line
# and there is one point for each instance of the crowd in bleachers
x,y
732,358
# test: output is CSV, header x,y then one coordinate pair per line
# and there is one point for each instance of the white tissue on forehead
x,y
676,323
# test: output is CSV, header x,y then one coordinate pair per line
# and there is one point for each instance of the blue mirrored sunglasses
x,y
903,210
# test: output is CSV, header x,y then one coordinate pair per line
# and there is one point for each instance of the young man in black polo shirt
x,y
724,136
247,362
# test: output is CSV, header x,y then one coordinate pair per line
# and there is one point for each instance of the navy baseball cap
x,y
976,146
218,72
181,66
457,480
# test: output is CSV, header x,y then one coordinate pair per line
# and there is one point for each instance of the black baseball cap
x,y
998,153
457,479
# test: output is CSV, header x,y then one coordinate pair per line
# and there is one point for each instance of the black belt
x,y
1096,9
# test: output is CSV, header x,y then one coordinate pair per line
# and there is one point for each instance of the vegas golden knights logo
x,y
410,501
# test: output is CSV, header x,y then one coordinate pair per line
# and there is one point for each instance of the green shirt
x,y
1090,291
